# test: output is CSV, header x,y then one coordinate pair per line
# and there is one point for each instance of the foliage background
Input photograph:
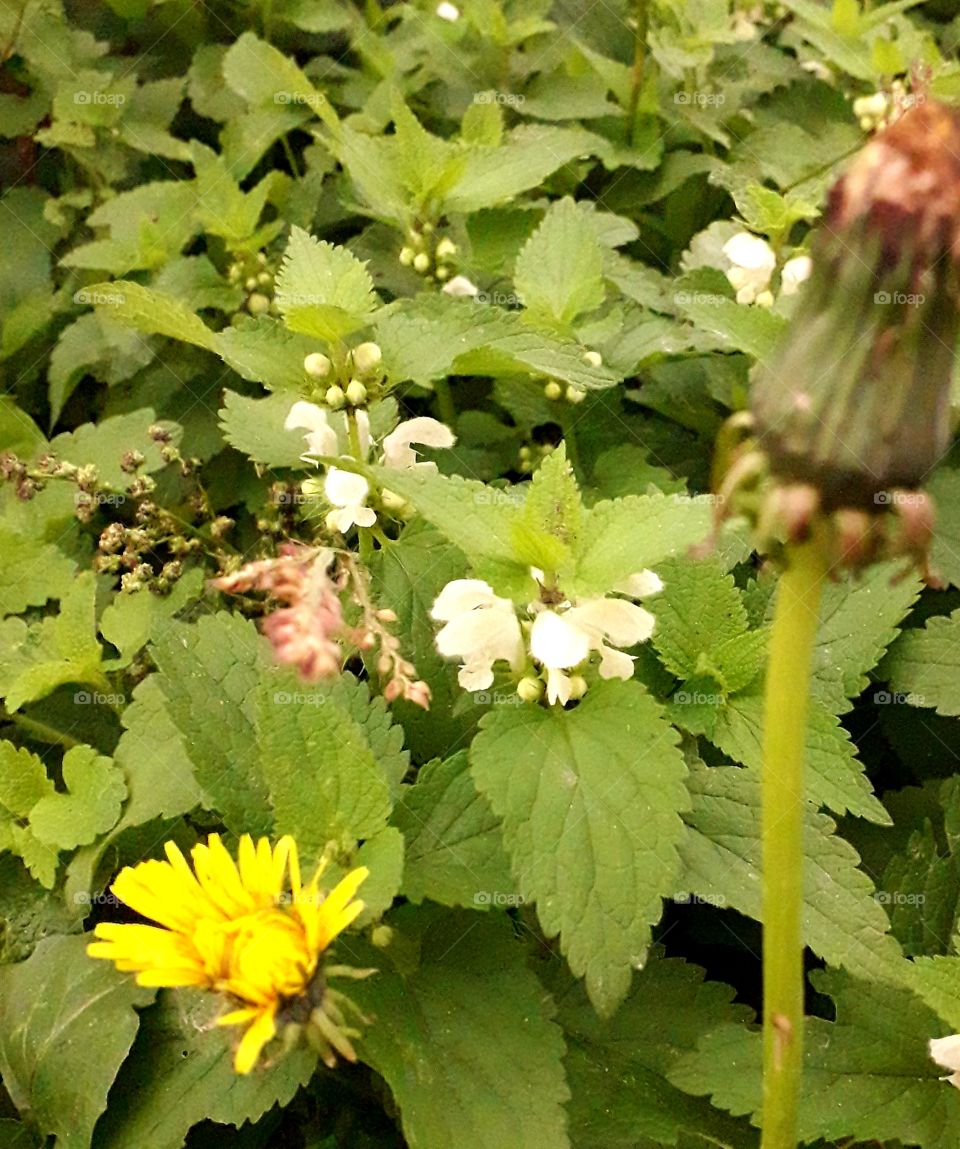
x,y
573,896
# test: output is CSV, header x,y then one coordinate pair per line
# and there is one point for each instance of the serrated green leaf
x,y
858,621
465,1040
591,827
32,572
559,271
921,889
63,648
454,854
131,620
323,780
95,790
669,1007
924,665
180,1073
264,351
720,852
255,427
154,759
321,290
623,536
477,519
66,1024
23,779
868,1074
209,674
104,444
742,327
149,311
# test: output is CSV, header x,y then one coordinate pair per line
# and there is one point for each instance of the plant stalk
x,y
782,786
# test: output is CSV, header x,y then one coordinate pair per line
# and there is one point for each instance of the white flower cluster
x,y
752,264
347,491
481,629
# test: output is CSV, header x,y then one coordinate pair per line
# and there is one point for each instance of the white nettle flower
x,y
481,629
347,494
945,1051
753,261
397,449
322,439
559,641
794,272
448,11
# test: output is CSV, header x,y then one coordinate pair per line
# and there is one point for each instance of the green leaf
x,y
479,520
66,1024
834,776
858,621
32,572
559,271
698,611
255,427
867,1075
131,620
921,887
91,806
742,327
103,445
63,648
669,1007
454,854
465,1040
591,827
552,513
264,351
180,1073
924,665
149,311
622,536
23,779
323,780
209,674
322,290
842,920
152,754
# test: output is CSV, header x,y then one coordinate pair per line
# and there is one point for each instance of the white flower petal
x,y
641,584
559,687
343,518
448,11
615,664
345,489
307,416
397,451
460,286
751,252
795,271
556,643
945,1051
476,676
363,430
462,595
623,623
323,441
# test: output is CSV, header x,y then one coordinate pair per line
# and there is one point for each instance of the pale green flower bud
x,y
356,393
366,358
317,365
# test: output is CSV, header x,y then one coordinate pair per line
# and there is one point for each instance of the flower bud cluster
x,y
433,258
255,275
355,382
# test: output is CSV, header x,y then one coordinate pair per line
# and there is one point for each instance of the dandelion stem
x,y
784,740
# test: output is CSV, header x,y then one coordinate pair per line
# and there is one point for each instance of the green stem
x,y
639,64
448,410
784,740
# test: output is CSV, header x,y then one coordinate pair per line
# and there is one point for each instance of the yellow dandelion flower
x,y
248,928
